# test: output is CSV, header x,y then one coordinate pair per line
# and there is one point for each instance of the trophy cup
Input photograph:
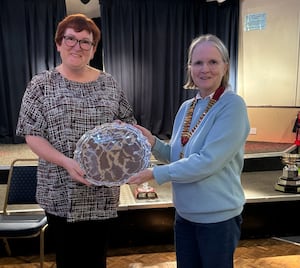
x,y
289,182
145,191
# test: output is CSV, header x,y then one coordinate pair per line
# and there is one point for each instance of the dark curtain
x,y
145,44
27,29
97,61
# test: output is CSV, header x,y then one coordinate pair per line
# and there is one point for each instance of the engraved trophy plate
x,y
112,152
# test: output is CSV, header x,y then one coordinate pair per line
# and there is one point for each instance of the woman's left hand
x,y
141,177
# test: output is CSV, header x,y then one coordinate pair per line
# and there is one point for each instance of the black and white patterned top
x,y
61,111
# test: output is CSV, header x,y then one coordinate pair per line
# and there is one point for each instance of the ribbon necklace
x,y
186,133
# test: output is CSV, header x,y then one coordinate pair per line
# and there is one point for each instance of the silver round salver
x,y
112,152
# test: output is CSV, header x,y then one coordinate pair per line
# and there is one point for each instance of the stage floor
x,y
253,149
258,186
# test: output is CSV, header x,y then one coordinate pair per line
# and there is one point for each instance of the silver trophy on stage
x,y
289,182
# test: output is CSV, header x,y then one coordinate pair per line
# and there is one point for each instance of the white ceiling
x,y
91,9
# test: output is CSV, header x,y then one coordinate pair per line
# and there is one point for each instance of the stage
x,y
267,212
262,169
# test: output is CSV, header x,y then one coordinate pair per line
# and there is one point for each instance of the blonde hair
x,y
221,48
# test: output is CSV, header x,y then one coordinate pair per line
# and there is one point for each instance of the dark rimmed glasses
x,y
84,44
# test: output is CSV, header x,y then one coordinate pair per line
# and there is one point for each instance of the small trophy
x,y
289,182
145,191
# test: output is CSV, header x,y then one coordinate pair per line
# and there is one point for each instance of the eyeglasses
x,y
84,44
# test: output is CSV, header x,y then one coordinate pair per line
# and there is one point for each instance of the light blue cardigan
x,y
206,183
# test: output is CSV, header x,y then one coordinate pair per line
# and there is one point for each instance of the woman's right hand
x,y
46,151
75,171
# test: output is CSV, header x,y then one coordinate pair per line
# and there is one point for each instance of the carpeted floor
x,y
8,152
254,147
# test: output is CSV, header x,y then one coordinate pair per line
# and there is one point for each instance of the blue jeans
x,y
202,245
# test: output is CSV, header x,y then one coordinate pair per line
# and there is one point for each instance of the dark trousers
x,y
79,244
206,245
